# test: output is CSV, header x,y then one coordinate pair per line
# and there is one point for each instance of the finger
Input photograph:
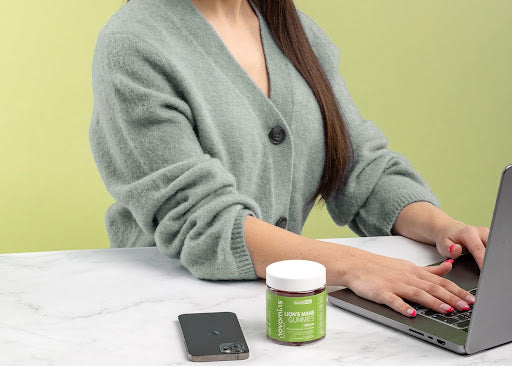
x,y
448,297
472,241
441,269
450,287
484,234
450,249
454,250
422,297
397,304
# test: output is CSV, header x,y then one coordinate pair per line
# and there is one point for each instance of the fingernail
x,y
462,305
411,312
446,307
470,299
449,261
451,247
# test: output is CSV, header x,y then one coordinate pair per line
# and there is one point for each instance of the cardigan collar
x,y
281,97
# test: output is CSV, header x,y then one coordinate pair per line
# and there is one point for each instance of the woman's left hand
x,y
457,238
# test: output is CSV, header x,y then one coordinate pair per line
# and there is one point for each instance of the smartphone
x,y
213,337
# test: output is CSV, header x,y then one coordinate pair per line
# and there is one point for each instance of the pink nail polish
x,y
470,299
451,247
411,312
447,308
462,305
449,261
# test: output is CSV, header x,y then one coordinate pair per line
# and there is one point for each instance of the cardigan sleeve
x,y
379,182
143,142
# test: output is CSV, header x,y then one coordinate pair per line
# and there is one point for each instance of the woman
x,y
217,123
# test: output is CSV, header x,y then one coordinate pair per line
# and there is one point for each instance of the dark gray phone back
x,y
213,336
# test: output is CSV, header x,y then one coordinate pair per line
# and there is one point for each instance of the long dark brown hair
x,y
284,23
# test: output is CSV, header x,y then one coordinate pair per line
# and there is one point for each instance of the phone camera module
x,y
232,348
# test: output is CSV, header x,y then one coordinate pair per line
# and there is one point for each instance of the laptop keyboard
x,y
456,319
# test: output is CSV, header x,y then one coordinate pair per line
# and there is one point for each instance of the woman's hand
x,y
424,222
389,281
378,278
456,238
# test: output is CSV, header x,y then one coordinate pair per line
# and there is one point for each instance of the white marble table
x,y
119,307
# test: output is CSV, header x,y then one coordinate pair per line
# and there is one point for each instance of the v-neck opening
x,y
264,50
226,49
279,69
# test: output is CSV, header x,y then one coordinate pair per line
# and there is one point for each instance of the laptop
x,y
488,323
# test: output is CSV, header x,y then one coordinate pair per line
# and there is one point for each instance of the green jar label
x,y
296,319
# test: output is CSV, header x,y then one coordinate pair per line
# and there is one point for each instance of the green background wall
x,y
433,75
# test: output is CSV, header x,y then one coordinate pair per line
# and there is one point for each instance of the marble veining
x,y
120,306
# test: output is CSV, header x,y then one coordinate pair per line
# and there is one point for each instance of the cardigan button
x,y
276,135
282,222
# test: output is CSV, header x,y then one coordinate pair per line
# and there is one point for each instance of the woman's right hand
x,y
378,278
389,281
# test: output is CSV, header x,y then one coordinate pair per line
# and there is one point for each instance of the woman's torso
x,y
234,121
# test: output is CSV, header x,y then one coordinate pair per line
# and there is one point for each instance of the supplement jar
x,y
296,301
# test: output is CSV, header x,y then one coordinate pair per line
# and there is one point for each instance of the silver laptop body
x,y
490,324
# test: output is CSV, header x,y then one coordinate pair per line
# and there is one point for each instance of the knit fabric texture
x,y
180,135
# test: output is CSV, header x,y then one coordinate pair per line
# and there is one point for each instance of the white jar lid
x,y
295,275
